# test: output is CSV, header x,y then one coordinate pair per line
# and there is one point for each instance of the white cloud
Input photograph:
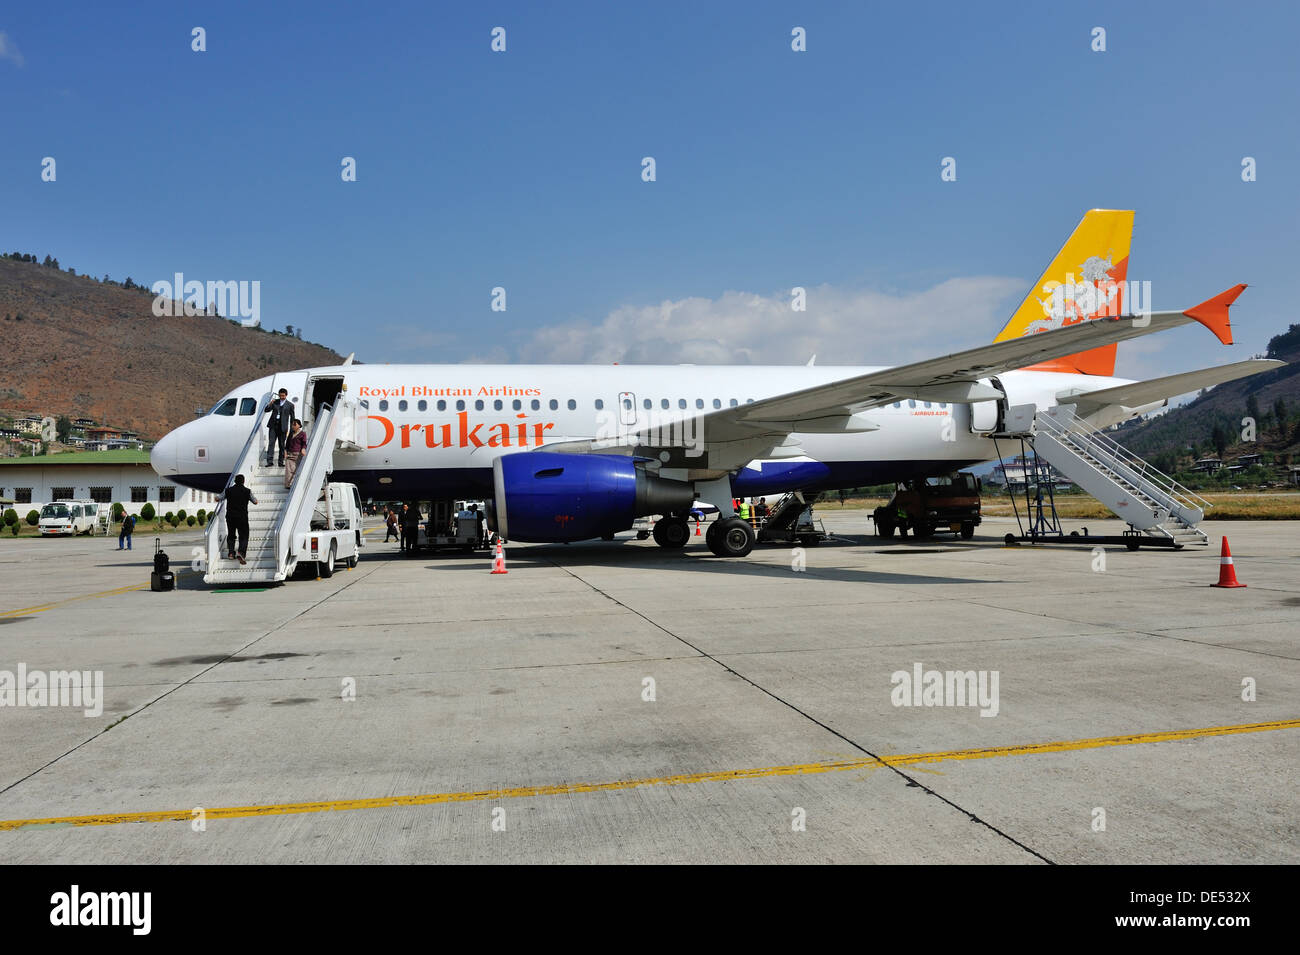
x,y
8,51
839,326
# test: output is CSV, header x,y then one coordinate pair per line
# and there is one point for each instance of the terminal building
x,y
110,477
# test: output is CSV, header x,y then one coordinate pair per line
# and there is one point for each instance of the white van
x,y
68,518
336,531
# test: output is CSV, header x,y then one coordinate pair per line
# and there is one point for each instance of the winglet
x,y
1213,313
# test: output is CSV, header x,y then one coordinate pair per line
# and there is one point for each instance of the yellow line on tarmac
x,y
799,769
59,603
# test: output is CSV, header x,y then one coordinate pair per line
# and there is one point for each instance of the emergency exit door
x,y
627,408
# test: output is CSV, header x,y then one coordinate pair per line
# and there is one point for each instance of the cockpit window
x,y
247,406
226,408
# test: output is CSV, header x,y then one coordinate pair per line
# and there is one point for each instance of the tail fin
x,y
1084,281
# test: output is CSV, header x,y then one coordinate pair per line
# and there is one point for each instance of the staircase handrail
x,y
322,439
214,522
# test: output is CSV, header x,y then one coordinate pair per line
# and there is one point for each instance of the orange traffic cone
x,y
1227,573
499,561
697,528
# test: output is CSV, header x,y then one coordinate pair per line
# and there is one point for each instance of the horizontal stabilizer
x,y
1141,393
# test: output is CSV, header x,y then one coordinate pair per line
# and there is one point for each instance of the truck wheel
x,y
325,568
642,535
352,561
967,530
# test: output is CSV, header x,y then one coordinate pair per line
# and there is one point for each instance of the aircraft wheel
x,y
671,532
733,538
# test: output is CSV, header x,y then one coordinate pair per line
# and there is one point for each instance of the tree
x,y
1252,408
11,517
117,512
1279,412
13,529
191,521
1219,438
202,515
48,261
147,512
33,518
288,330
63,428
180,515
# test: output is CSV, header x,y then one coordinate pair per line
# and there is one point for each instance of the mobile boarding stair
x,y
784,526
1159,510
281,515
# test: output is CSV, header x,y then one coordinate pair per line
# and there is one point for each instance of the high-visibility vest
x,y
744,510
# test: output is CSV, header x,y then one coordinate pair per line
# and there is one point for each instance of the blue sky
x,y
522,169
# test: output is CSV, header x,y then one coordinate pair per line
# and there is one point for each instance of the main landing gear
x,y
672,532
730,537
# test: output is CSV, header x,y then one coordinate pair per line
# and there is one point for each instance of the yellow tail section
x,y
1085,281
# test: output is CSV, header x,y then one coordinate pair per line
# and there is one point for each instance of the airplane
x,y
575,452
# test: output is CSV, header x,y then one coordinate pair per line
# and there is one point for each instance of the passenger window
x,y
734,402
572,405
627,404
717,402
927,404
535,405
911,402
898,404
517,405
442,405
663,403
599,404
647,404
478,405
699,402
423,405
496,405
247,406
226,408
554,404
383,405
460,404
681,402
401,405
749,401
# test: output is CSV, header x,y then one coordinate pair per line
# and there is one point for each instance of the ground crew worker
x,y
411,527
744,509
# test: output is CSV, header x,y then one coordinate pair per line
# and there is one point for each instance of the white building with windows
x,y
110,477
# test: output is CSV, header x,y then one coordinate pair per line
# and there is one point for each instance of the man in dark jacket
x,y
128,527
277,425
237,498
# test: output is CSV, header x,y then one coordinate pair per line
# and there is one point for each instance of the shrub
x,y
11,517
147,512
191,521
118,512
33,518
13,529
202,515
181,515
169,517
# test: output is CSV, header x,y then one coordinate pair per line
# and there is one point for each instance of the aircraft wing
x,y
730,435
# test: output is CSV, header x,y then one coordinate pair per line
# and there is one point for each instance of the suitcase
x,y
161,562
160,582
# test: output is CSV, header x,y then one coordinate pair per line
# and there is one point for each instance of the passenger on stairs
x,y
294,449
277,425
237,498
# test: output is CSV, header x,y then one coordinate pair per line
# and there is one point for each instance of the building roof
x,y
118,456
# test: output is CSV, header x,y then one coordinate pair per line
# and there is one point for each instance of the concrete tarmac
x,y
616,702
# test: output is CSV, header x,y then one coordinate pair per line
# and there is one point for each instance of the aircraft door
x,y
987,417
627,408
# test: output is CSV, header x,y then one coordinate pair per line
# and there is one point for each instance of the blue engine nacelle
x,y
543,496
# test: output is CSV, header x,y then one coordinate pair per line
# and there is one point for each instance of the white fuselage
x,y
434,430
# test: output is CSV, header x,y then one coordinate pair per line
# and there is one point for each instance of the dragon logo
x,y
1074,301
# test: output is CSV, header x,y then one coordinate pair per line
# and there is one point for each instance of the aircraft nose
x,y
163,455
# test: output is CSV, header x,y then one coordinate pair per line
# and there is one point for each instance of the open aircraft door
x,y
986,417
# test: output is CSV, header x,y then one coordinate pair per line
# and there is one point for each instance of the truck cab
x,y
336,533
